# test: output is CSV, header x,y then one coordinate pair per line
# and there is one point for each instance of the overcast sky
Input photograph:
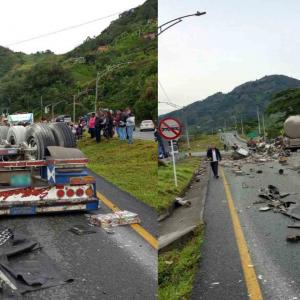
x,y
24,19
237,41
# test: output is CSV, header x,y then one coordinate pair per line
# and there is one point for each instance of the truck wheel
x,y
63,135
38,138
3,132
16,135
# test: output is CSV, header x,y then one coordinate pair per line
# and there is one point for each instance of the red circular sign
x,y
169,128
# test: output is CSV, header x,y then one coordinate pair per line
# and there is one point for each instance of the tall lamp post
x,y
75,97
162,28
108,69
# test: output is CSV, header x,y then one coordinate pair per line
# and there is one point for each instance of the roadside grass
x,y
201,142
166,188
133,168
177,268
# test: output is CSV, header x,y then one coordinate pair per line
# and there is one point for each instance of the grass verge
x,y
201,142
166,188
177,268
133,168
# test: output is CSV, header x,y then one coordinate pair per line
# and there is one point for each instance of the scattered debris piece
x,y
293,238
114,219
259,171
82,229
281,171
181,202
265,208
295,225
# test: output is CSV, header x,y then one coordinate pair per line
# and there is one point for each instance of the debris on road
x,y
265,208
293,237
82,229
24,267
181,202
114,219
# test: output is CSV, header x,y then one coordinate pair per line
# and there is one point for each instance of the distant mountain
x,y
129,41
240,102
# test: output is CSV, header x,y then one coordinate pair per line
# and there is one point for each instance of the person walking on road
x,y
214,156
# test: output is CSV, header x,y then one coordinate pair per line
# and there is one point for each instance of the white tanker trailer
x,y
292,132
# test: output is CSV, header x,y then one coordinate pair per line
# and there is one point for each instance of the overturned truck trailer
x,y
41,174
292,133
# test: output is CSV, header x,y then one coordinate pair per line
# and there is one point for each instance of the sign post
x,y
170,129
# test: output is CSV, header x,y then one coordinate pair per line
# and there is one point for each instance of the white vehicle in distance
x,y
147,125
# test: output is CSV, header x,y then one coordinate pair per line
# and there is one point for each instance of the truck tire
x,y
3,132
16,135
63,135
39,137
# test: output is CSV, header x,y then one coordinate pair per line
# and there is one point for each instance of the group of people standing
x,y
105,123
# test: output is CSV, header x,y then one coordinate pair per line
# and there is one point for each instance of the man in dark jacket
x,y
214,156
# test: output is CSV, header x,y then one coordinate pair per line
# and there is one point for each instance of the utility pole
x,y
52,112
74,103
41,106
242,126
258,119
235,122
96,95
263,124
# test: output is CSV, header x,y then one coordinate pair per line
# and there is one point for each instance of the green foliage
x,y
214,111
283,105
177,268
25,78
286,102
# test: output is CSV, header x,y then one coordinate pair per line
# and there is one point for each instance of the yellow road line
x,y
252,284
136,227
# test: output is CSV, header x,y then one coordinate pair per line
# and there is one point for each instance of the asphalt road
x,y
276,261
144,135
105,266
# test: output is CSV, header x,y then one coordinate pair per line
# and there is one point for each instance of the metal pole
x,y
258,120
263,124
174,164
41,106
235,121
96,96
74,104
52,111
242,126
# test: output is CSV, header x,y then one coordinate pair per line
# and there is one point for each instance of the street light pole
x,y
96,94
108,69
258,119
242,126
74,104
41,106
173,22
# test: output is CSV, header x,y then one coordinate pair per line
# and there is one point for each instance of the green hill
x,y
241,102
128,43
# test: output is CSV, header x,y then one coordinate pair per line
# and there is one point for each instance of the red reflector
x,y
70,193
60,193
79,192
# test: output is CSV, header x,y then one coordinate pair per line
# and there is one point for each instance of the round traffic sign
x,y
169,128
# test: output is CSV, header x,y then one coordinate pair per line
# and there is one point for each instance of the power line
x,y
61,30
